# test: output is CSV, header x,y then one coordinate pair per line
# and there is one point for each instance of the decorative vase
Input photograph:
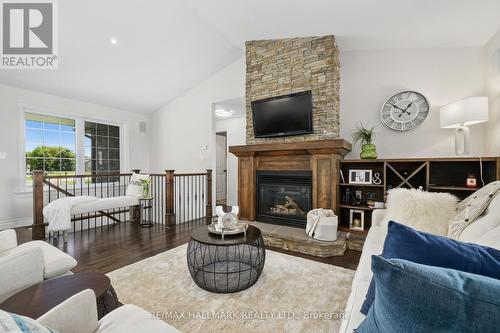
x,y
368,151
145,190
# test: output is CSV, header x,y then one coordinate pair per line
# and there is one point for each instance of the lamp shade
x,y
468,111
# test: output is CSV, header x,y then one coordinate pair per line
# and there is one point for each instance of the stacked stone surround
x,y
284,66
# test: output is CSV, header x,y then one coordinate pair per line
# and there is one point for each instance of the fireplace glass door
x,y
284,197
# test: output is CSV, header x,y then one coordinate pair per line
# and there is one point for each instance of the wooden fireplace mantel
x,y
335,146
321,157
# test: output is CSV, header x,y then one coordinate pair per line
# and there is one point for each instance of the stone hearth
x,y
296,240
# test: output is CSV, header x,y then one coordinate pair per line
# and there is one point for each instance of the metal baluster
x,y
162,201
102,180
120,193
81,192
184,201
155,209
114,210
176,201
198,196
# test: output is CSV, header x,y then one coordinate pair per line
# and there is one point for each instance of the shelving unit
x,y
429,174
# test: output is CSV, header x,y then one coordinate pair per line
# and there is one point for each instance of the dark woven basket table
x,y
225,266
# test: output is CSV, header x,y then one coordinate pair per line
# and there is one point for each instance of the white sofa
x,y
78,314
24,265
484,231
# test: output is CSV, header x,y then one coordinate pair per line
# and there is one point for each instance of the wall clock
x,y
404,111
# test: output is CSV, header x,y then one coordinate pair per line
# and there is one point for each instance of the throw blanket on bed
x,y
58,212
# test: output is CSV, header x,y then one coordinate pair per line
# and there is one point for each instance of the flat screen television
x,y
283,115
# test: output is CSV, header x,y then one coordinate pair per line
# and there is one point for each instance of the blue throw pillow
x,y
403,242
418,298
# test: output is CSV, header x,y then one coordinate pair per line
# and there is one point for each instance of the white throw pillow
x,y
425,211
134,188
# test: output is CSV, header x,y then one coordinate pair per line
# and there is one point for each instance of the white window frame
x,y
79,133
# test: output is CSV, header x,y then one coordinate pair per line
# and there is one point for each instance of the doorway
x,y
221,168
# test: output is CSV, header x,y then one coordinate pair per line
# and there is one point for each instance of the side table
x,y
37,300
225,265
146,207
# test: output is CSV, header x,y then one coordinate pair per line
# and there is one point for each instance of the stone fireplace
x,y
284,66
284,197
281,178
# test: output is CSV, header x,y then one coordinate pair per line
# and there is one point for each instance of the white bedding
x,y
104,204
58,213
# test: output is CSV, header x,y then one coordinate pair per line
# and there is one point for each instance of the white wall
x,y
16,206
492,80
444,75
236,135
180,128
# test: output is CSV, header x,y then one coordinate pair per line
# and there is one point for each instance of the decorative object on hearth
x,y
227,223
404,111
360,177
357,219
471,181
459,115
365,135
322,224
377,180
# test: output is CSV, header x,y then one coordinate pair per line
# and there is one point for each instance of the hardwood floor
x,y
108,248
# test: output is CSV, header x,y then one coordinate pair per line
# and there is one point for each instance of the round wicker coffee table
x,y
225,266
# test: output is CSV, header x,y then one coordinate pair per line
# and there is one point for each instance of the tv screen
x,y
283,115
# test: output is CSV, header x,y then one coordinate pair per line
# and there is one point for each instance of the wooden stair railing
x,y
166,200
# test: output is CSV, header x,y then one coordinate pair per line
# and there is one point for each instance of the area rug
x,y
292,295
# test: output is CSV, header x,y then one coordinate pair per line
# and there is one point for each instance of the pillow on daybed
x,y
425,211
134,188
419,298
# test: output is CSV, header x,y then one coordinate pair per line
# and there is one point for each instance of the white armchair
x,y
19,271
22,266
78,314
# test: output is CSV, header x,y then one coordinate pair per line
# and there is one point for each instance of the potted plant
x,y
365,135
145,187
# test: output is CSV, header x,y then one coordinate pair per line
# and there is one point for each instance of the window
x,y
102,148
50,145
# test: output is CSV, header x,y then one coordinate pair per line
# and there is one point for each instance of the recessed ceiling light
x,y
113,41
223,113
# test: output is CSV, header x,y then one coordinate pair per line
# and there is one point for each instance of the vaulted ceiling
x,y
165,47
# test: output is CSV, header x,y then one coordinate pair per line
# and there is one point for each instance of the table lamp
x,y
459,115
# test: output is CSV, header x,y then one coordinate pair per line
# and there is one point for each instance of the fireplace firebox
x,y
284,197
